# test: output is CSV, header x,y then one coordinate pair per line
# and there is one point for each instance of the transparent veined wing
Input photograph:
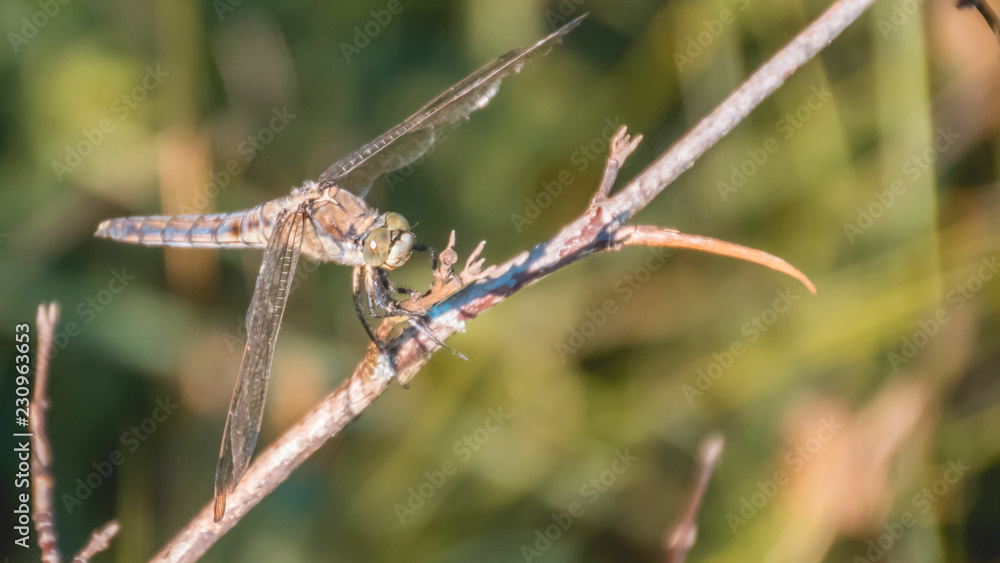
x,y
263,321
407,141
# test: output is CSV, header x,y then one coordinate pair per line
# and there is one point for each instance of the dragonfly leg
x,y
380,302
430,249
359,308
385,306
381,305
414,294
399,290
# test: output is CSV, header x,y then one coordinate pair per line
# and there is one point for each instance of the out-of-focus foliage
x,y
862,420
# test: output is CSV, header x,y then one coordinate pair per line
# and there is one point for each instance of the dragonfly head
x,y
390,245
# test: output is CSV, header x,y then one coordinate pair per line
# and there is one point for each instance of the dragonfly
x,y
326,220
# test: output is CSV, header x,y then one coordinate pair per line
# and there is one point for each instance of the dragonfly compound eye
x,y
376,247
400,250
396,222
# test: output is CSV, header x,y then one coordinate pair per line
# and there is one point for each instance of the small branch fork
x,y
455,299
42,483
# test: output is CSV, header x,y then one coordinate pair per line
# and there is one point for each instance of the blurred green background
x,y
862,423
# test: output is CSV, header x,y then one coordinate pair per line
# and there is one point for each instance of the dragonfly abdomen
x,y
241,229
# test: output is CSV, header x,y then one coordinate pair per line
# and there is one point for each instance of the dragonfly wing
x,y
263,320
407,141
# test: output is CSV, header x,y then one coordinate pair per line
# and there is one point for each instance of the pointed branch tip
x,y
669,238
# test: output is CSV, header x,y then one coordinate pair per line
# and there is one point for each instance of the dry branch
x,y
42,483
600,228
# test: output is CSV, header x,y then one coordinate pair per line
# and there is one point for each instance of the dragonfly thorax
x,y
389,244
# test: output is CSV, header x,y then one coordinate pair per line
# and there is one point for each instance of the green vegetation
x,y
861,423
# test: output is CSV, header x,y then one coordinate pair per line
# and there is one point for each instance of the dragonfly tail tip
x,y
220,506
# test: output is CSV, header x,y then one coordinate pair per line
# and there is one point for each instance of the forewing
x,y
263,321
407,141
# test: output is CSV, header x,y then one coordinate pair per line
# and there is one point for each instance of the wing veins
x,y
264,316
485,82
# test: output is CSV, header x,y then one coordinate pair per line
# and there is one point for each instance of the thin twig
x,y
593,232
42,483
98,542
682,539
